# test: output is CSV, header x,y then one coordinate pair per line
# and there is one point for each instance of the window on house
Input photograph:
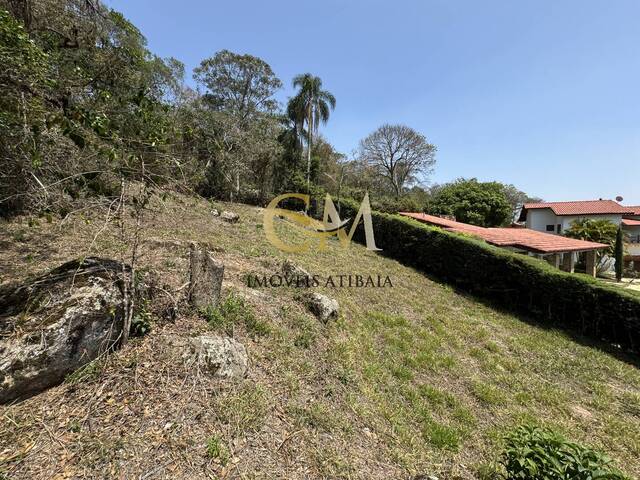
x,y
559,228
550,228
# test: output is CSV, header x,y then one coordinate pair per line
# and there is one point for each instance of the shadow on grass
x,y
631,357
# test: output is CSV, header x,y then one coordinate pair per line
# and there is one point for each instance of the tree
x,y
312,105
619,254
238,110
591,230
599,231
517,198
478,203
399,154
239,84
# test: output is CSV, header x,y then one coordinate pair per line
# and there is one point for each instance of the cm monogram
x,y
331,224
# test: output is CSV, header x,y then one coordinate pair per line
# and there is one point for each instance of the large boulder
x,y
221,357
57,323
321,306
205,278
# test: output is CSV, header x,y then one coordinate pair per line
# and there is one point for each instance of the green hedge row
x,y
517,282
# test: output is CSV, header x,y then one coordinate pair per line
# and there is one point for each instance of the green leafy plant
x,y
141,322
601,231
535,453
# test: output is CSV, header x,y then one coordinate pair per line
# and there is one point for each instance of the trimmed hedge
x,y
528,285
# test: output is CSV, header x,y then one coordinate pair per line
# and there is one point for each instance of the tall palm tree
x,y
311,105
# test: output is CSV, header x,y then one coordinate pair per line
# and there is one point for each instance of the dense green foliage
x,y
534,453
572,302
84,105
469,201
601,231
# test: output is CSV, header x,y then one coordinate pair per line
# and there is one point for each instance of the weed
x,y
141,322
304,339
88,372
441,436
488,393
234,310
217,450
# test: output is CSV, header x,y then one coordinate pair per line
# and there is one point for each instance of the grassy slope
x,y
411,379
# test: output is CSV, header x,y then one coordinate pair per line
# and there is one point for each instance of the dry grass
x,y
411,379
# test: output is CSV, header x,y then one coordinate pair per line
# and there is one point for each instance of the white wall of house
x,y
543,219
539,218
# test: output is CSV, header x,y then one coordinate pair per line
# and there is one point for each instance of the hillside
x,y
411,379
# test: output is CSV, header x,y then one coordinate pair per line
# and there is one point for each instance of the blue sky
x,y
543,94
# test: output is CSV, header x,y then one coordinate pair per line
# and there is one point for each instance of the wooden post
x,y
568,262
591,262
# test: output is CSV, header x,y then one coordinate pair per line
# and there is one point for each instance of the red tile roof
x,y
588,207
627,222
634,210
523,238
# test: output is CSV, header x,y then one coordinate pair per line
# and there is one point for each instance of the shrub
x,y
535,453
524,284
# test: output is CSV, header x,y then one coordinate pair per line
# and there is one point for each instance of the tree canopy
x,y
241,84
398,154
86,104
592,230
312,104
479,203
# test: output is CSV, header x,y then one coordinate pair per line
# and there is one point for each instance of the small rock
x,y
300,275
321,306
222,357
230,217
205,278
215,212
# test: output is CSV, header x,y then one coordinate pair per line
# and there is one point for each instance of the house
x,y
557,250
557,217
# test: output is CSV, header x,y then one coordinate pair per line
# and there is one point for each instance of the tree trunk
x,y
310,135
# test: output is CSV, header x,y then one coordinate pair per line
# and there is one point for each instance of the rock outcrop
x,y
57,323
221,357
321,306
205,278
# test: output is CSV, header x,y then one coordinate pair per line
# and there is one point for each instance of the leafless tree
x,y
399,154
